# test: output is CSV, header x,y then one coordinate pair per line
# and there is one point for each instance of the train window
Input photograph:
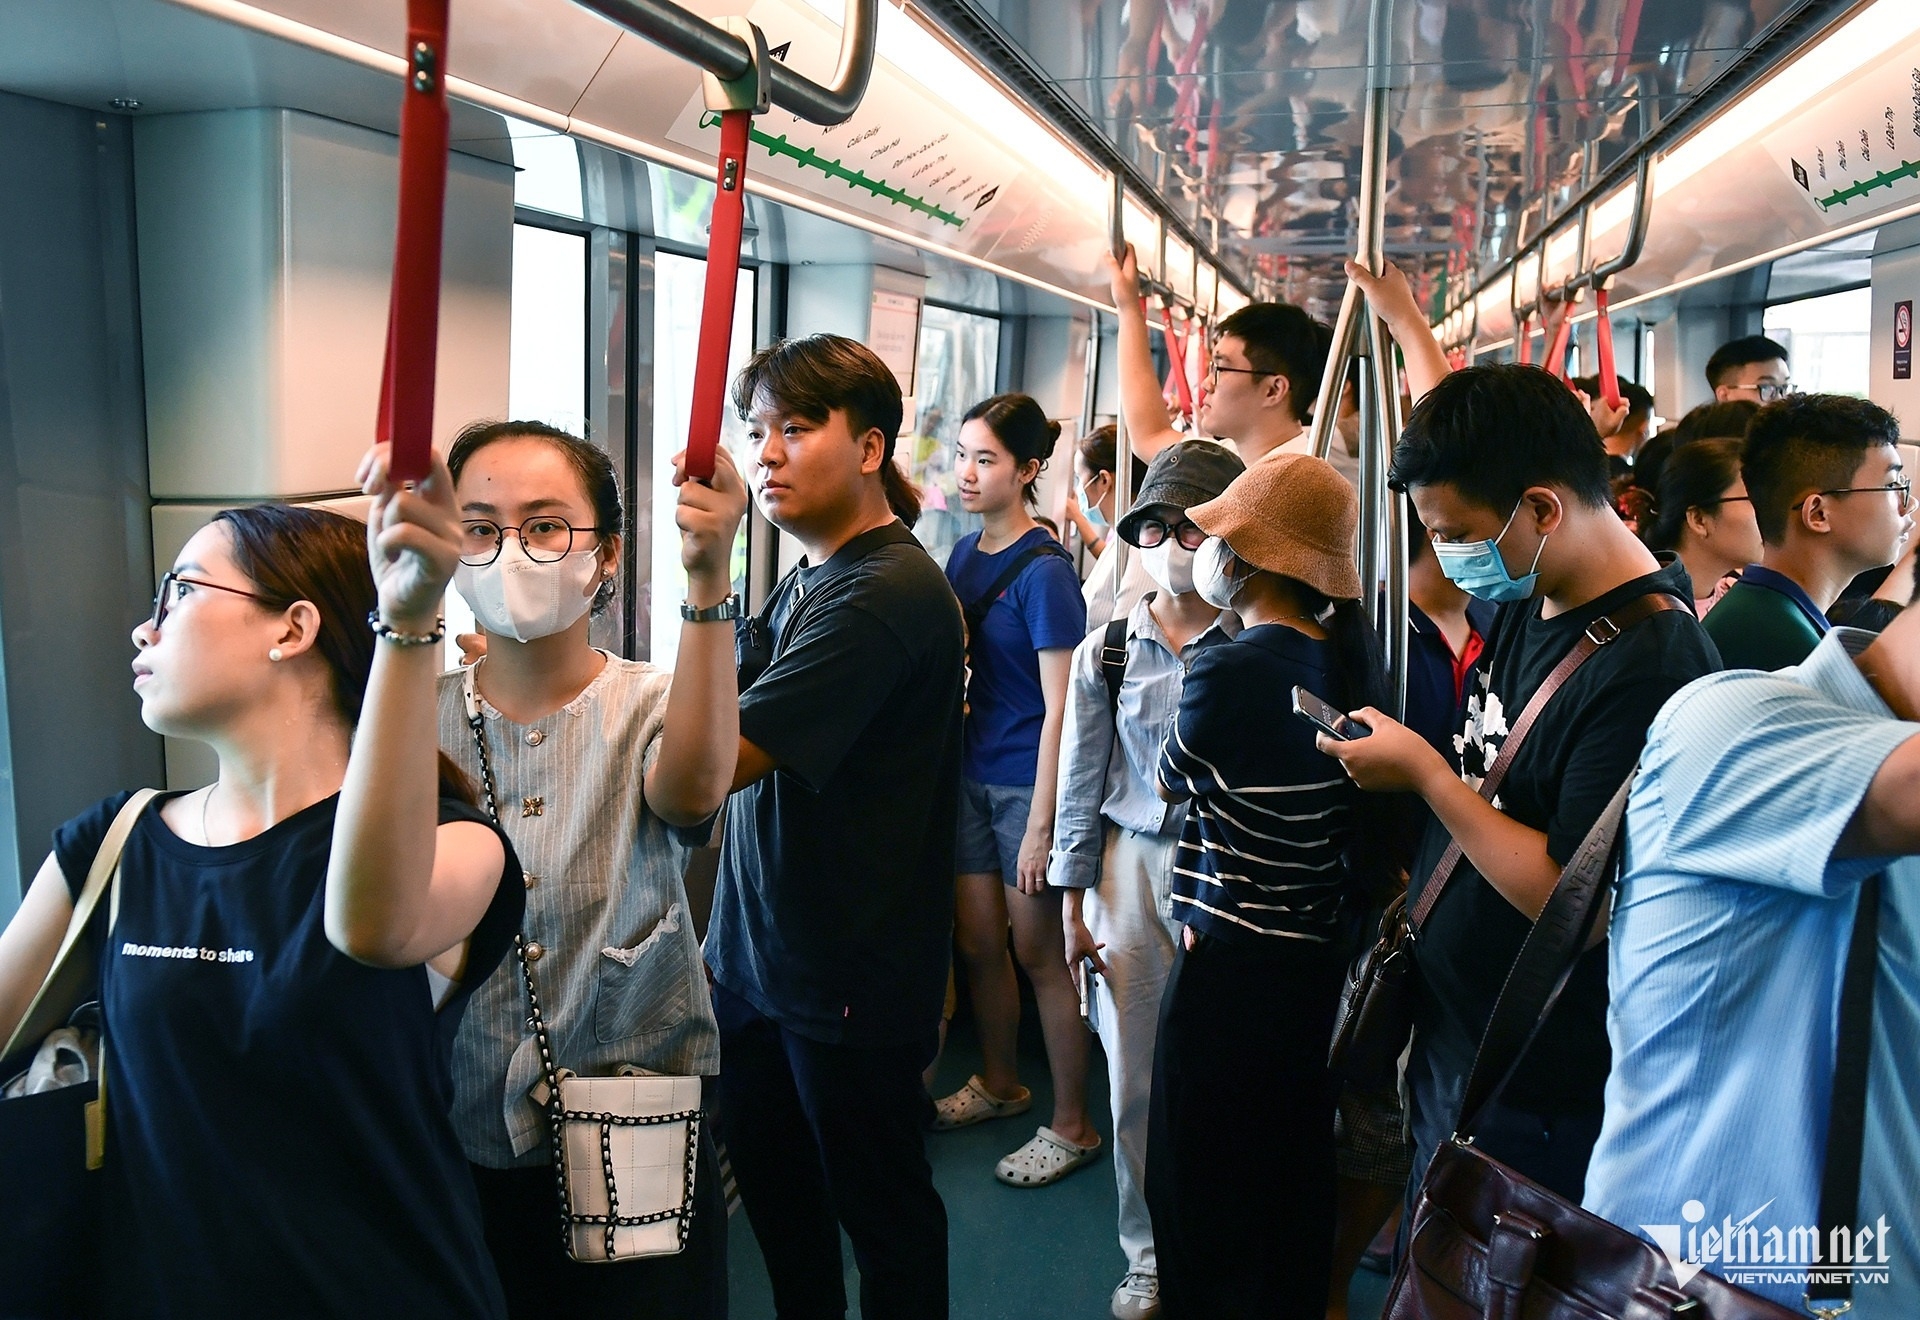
x,y
959,357
547,353
679,289
1827,340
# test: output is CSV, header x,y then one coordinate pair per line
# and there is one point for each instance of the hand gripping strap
x,y
1600,632
413,308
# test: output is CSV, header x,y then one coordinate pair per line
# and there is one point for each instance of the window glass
x,y
680,285
1826,340
547,346
959,354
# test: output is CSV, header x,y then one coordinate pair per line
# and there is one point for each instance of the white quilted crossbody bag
x,y
626,1148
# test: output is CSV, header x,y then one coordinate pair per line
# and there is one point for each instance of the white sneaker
x,y
1137,1297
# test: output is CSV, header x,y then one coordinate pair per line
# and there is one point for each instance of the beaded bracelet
x,y
386,634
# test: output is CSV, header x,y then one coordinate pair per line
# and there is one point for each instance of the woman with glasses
x,y
1113,837
1024,616
1703,514
594,761
294,945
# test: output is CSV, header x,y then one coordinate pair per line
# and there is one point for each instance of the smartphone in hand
x,y
1089,1004
1325,718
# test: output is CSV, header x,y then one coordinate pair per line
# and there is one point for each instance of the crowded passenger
x,y
1753,368
1277,855
829,944
1090,508
1703,514
1509,476
1832,500
1021,602
593,759
1624,442
1114,836
294,944
1772,816
1260,387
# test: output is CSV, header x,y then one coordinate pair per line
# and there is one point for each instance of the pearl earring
x,y
275,655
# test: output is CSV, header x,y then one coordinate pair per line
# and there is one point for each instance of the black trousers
x,y
829,1136
521,1209
1240,1156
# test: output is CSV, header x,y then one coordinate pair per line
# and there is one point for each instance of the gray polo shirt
x,y
618,968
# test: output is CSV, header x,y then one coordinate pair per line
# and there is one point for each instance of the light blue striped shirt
x,y
1108,761
1728,941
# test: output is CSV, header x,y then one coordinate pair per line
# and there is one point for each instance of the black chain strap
x,y
558,1115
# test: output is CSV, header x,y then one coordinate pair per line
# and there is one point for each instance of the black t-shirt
x,y
278,1132
834,908
1578,753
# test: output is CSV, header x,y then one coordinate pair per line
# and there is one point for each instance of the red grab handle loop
x,y
1524,353
1177,358
723,274
1557,354
413,310
1603,331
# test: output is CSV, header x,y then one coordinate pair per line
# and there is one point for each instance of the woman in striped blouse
x,y
1267,881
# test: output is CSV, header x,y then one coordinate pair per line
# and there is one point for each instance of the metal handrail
x,y
727,57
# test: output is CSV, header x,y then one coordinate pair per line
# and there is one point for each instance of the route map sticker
x,y
1857,150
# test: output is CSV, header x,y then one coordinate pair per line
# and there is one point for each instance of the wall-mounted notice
x,y
893,332
1857,150
1903,339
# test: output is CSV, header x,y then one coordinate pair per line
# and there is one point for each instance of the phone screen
x,y
1324,717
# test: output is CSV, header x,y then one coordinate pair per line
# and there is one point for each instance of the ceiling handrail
x,y
729,58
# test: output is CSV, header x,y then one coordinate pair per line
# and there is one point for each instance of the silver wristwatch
x,y
725,610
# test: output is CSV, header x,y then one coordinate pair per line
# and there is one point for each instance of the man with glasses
x,y
1752,367
1259,391
1833,500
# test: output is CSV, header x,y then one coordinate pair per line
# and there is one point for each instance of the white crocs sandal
x,y
1047,1158
973,1103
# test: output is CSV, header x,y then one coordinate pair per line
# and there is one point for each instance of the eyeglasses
x,y
1768,392
174,587
1214,369
545,539
1725,499
1903,488
1152,532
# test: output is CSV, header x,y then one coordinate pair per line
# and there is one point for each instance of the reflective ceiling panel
x,y
1248,112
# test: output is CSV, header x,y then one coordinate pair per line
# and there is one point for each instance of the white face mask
x,y
518,597
1170,565
1217,575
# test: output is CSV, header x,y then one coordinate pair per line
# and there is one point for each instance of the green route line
x,y
1908,169
833,169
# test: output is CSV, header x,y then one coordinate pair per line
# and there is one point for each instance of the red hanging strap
x,y
1524,352
1557,353
1603,332
723,275
1177,359
413,309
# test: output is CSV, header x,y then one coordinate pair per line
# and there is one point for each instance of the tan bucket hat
x,y
1291,514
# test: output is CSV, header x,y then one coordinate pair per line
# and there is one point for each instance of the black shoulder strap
x,y
1847,1115
1113,662
1545,962
976,610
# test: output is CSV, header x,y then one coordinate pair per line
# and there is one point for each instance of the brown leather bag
x,y
1488,1244
1374,1019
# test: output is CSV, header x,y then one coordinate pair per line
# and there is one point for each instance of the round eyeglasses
x,y
545,539
1151,532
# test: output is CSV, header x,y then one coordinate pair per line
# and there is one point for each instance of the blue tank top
x,y
278,1132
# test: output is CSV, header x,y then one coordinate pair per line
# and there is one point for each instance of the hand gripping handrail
x,y
729,58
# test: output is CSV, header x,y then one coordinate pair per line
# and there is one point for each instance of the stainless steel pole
x,y
1122,446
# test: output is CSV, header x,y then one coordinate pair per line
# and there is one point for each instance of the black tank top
x,y
278,1132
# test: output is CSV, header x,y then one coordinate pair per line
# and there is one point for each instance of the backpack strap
x,y
1113,662
976,610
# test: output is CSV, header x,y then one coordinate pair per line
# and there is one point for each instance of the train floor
x,y
1015,1254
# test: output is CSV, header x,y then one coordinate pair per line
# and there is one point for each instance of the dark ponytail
x,y
293,552
1023,429
903,497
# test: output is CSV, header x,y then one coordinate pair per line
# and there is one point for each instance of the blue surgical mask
x,y
1478,568
1090,509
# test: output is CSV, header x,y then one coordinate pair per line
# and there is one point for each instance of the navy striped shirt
x,y
1265,847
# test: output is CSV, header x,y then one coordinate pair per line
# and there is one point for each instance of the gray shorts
x,y
993,821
